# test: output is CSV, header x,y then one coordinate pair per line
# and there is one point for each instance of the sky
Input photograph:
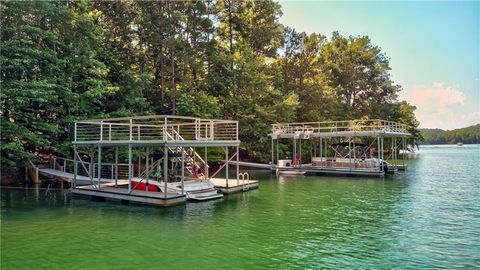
x,y
433,47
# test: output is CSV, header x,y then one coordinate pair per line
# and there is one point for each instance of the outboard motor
x,y
384,164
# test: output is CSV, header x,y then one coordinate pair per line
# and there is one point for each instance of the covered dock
x,y
354,147
147,159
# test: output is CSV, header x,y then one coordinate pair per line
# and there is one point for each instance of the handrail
x,y
154,128
339,126
31,171
196,154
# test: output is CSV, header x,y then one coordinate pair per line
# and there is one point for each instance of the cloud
x,y
439,105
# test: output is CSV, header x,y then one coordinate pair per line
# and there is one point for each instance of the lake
x,y
426,217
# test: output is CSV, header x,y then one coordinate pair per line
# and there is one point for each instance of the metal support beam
x,y
238,165
165,169
116,166
380,168
226,166
278,154
271,164
75,166
207,168
147,168
91,168
130,168
183,171
99,165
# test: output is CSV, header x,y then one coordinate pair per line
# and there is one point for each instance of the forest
x,y
63,61
470,135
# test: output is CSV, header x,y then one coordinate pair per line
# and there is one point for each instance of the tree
x,y
31,78
359,73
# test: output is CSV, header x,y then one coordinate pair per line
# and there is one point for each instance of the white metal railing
x,y
156,127
374,125
107,170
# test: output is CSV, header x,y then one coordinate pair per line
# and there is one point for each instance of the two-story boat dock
x,y
171,154
356,147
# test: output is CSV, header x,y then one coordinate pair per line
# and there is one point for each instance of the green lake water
x,y
425,218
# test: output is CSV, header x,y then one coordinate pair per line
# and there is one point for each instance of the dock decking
x,y
234,185
136,196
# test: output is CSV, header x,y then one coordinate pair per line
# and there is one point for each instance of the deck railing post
x,y
75,132
236,130
212,130
109,132
165,129
101,130
130,133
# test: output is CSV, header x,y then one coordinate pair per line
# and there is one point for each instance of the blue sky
x,y
434,49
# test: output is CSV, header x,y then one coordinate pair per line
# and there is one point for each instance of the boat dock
x,y
354,147
148,159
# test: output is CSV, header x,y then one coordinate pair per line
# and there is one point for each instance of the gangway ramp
x,y
68,177
251,164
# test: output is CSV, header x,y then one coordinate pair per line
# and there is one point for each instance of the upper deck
x,y
329,129
157,130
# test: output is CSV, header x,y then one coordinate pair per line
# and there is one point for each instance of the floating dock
x,y
167,150
354,147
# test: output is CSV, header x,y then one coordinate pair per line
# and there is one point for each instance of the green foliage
x,y
199,105
64,61
469,134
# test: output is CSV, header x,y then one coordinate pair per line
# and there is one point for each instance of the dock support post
x,y
165,169
206,163
381,145
183,172
91,168
139,161
271,164
300,151
75,166
321,152
238,165
226,166
378,154
394,146
99,165
129,168
294,156
147,168
278,154
404,149
116,166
